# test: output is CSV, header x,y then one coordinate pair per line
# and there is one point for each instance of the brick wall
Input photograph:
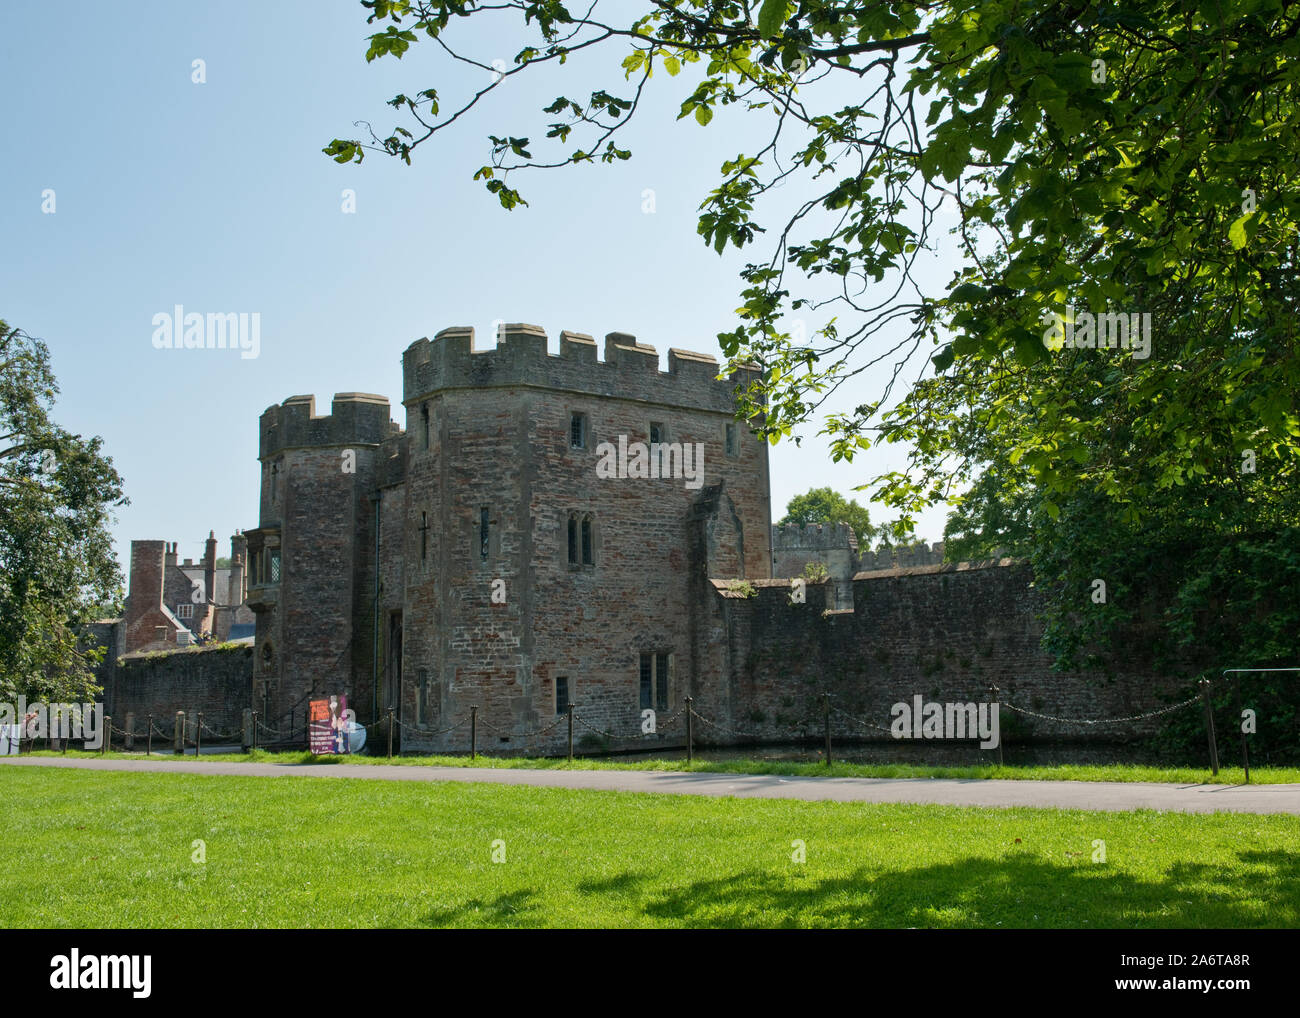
x,y
214,680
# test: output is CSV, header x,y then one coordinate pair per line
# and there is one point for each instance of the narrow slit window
x,y
561,694
587,558
573,540
484,533
578,431
424,425
424,536
731,440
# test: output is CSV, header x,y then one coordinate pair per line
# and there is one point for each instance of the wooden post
x,y
148,742
108,734
473,732
178,733
826,699
570,732
390,733
690,729
998,705
198,736
1245,754
1209,725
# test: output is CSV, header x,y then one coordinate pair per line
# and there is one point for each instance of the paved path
x,y
1092,795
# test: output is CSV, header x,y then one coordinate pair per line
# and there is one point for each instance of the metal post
x,y
826,698
1245,754
198,736
148,744
390,733
473,732
108,734
1209,725
690,729
254,731
570,733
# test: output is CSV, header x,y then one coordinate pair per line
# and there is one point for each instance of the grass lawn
x,y
1055,772
91,849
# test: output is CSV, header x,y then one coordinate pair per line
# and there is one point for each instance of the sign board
x,y
331,729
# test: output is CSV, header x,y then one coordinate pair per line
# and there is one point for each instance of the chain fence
x,y
247,735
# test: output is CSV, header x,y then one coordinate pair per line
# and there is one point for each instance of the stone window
x,y
561,694
185,611
582,539
732,445
656,677
273,566
578,431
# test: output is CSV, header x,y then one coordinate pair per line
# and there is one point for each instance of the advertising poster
x,y
328,726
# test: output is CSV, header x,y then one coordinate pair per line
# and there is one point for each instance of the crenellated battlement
x,y
629,370
814,537
355,418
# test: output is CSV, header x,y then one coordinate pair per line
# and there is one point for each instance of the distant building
x,y
173,605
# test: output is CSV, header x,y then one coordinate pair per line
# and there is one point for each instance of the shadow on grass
x,y
1022,891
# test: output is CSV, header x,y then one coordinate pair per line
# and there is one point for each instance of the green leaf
x,y
1237,232
771,17
703,114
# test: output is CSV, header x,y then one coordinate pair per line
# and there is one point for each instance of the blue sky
x,y
216,196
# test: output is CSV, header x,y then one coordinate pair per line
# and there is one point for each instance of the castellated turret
x,y
541,532
311,560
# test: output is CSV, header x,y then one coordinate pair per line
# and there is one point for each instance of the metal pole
x,y
390,733
1245,754
473,732
148,745
571,732
108,734
1209,725
997,700
254,731
826,698
690,729
198,736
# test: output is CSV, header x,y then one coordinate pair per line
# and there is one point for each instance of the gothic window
x,y
656,670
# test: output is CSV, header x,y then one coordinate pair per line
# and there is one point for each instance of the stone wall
x,y
947,633
214,680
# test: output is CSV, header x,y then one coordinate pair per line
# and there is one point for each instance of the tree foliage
x,y
57,569
1099,157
